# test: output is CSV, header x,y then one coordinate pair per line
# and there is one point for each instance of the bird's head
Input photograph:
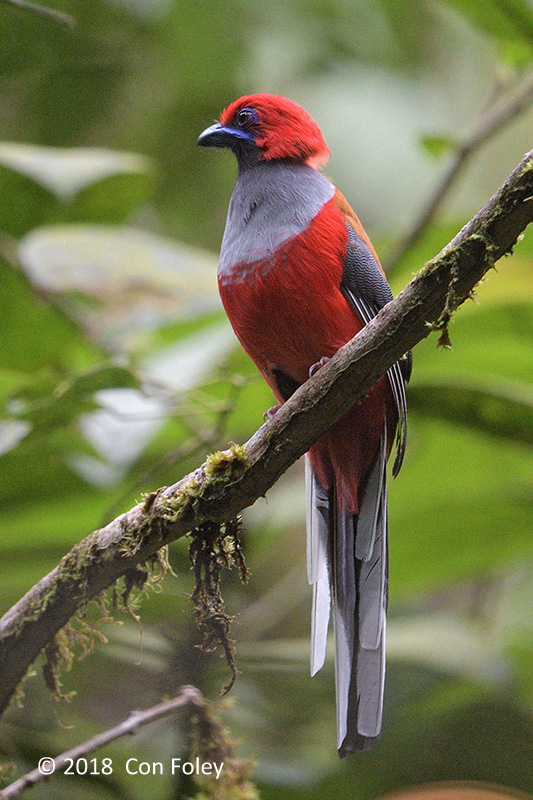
x,y
265,127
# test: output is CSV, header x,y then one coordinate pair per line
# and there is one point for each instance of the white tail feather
x,y
317,566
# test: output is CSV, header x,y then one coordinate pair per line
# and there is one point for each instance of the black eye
x,y
246,116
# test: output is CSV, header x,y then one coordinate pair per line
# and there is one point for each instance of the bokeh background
x,y
119,373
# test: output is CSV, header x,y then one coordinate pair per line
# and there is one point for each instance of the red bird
x,y
298,278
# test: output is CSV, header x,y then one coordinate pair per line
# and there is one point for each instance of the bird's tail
x,y
347,567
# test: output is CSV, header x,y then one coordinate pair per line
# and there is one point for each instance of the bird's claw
x,y
319,364
270,413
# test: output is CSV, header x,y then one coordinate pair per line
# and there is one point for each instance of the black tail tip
x,y
355,743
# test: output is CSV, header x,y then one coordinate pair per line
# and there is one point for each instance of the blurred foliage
x,y
119,372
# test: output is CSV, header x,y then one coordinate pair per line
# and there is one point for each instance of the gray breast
x,y
270,203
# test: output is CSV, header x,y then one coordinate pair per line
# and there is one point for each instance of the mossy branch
x,y
230,481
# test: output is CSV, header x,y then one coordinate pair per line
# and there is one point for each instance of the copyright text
x,y
133,766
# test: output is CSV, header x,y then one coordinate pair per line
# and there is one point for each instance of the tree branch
x,y
188,696
228,482
496,117
50,13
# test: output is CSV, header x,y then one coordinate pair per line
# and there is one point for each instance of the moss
x,y
448,261
20,691
211,743
79,637
217,464
213,548
72,566
76,639
82,631
131,540
129,588
59,657
172,508
71,570
148,500
71,575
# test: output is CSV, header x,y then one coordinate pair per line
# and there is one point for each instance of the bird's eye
x,y
246,116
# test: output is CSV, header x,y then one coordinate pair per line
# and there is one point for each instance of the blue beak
x,y
221,136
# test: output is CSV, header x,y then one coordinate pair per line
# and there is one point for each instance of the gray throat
x,y
271,203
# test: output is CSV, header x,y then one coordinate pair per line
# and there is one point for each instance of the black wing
x,y
366,289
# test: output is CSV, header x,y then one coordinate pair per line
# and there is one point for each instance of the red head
x,y
272,126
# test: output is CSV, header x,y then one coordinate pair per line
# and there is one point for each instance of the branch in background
x,y
208,743
496,117
189,695
230,481
50,13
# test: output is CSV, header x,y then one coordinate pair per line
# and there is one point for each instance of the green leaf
x,y
23,202
39,184
510,22
34,333
111,199
139,280
501,408
438,146
67,171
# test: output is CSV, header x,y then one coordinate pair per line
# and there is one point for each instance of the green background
x,y
119,373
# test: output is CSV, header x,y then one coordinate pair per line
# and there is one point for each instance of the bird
x,y
298,278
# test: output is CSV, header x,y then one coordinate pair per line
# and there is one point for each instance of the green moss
x,y
129,587
211,742
213,548
59,658
171,508
131,540
79,637
447,261
72,568
148,500
20,691
217,463
82,631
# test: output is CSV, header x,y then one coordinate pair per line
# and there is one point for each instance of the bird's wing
x,y
365,287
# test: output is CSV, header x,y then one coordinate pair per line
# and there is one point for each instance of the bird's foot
x,y
268,415
319,364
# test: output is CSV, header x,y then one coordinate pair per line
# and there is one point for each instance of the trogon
x,y
298,277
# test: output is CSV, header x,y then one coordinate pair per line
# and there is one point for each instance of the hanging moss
x,y
214,548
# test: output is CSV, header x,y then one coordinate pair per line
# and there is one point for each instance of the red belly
x,y
288,312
